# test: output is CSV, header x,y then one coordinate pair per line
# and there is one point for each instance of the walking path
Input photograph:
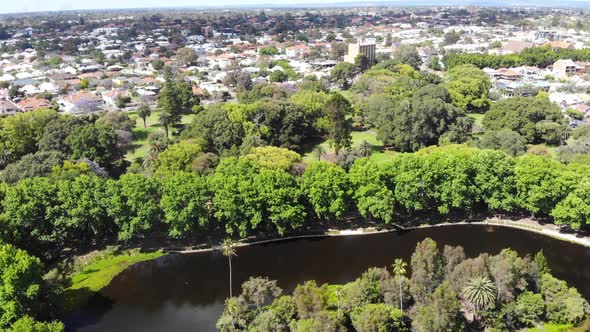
x,y
524,224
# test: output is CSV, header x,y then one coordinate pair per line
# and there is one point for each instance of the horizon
x,y
36,6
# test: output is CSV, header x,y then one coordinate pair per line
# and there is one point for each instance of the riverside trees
x,y
268,193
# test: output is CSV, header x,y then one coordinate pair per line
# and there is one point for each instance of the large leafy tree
x,y
281,199
21,133
56,131
328,189
23,292
37,164
133,205
82,209
28,215
469,87
529,117
95,142
178,157
541,183
236,200
409,123
574,210
563,304
215,127
373,197
186,203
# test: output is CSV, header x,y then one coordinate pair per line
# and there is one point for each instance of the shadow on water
x,y
185,292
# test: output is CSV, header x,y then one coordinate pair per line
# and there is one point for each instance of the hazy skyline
x,y
59,5
54,5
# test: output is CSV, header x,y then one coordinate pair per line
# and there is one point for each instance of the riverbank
x,y
96,270
523,224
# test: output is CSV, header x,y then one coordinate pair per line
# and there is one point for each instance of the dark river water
x,y
185,292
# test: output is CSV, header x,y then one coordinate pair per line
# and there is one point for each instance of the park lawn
x,y
99,273
140,146
379,154
478,118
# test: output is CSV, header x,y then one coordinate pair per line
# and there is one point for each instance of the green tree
x,y
82,209
186,203
409,55
441,312
541,263
563,304
56,131
378,318
337,109
167,119
427,269
273,158
308,299
506,140
258,291
32,165
328,189
373,197
28,324
22,288
281,199
235,200
95,142
186,56
343,73
574,210
178,157
522,115
469,87
133,205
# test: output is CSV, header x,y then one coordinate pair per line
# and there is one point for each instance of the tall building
x,y
368,49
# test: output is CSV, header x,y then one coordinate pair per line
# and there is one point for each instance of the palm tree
x,y
365,148
399,269
144,111
318,151
166,119
228,249
481,292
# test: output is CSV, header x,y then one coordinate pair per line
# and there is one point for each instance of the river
x,y
185,292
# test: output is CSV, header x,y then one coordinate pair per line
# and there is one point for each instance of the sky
x,y
19,6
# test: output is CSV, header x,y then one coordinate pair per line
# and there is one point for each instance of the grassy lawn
x,y
140,146
477,117
379,154
99,272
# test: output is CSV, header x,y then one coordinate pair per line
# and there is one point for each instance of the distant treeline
x,y
534,56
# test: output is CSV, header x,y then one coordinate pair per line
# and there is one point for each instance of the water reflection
x,y
186,292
